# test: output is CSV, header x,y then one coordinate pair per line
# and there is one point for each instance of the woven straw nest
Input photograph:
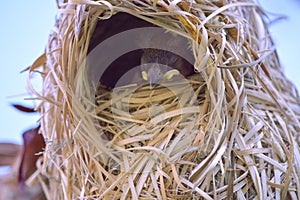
x,y
236,135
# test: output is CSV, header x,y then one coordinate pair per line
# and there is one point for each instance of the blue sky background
x,y
25,27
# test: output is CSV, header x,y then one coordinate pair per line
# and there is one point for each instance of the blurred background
x,y
24,33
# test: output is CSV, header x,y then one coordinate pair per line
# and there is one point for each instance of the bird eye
x,y
159,73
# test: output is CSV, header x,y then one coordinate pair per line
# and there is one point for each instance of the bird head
x,y
155,74
158,65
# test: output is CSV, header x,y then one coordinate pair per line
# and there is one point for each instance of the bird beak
x,y
152,82
154,78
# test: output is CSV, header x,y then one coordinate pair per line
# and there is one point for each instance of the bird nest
x,y
229,130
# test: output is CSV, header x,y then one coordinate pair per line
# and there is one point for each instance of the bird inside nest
x,y
159,65
148,65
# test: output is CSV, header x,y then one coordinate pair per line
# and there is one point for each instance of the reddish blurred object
x,y
33,143
23,108
22,161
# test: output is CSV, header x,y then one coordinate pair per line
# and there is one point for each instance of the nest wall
x,y
235,136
